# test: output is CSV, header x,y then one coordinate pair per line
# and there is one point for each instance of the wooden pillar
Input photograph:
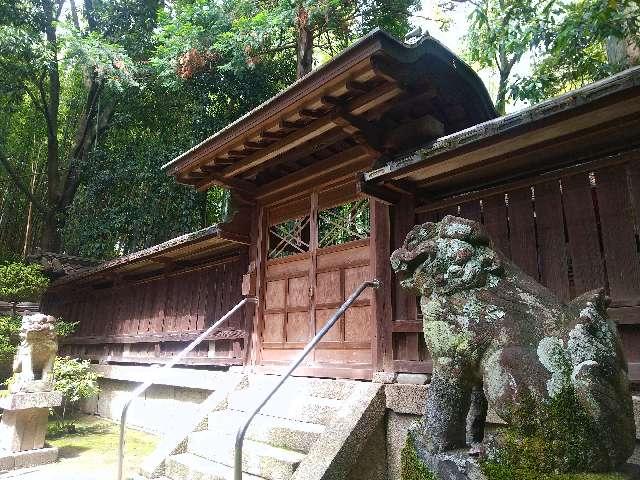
x,y
381,269
404,304
257,254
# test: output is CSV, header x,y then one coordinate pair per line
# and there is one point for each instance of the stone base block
x,y
22,430
28,458
23,401
452,465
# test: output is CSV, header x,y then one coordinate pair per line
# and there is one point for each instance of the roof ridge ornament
x,y
415,35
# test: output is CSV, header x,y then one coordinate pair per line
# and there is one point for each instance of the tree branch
x,y
15,178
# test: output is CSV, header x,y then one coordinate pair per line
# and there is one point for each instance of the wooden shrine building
x,y
326,179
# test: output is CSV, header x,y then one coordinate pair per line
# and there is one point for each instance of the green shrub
x,y
9,339
20,282
76,381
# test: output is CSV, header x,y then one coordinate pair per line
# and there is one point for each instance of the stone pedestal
x,y
23,429
449,465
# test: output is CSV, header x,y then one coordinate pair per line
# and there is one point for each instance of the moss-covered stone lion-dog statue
x,y
499,337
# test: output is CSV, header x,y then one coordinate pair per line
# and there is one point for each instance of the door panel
x,y
273,327
275,297
298,292
305,284
297,327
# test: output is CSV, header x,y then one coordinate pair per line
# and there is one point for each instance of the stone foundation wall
x,y
171,402
176,400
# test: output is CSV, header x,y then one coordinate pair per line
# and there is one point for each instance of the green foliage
x,y
411,467
557,437
95,54
20,282
139,83
64,329
75,379
575,46
500,33
9,339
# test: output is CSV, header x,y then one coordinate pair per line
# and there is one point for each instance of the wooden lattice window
x,y
289,238
344,223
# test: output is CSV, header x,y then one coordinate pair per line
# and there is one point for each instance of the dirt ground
x,y
90,454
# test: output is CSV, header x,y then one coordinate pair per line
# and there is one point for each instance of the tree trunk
x,y
51,237
501,97
304,45
27,232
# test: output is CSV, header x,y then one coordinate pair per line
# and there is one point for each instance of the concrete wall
x,y
172,401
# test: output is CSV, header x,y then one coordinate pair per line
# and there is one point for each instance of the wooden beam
x,y
532,179
285,144
390,70
345,159
357,106
272,135
377,192
352,124
305,112
242,186
355,86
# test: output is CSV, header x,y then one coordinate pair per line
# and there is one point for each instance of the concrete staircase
x,y
306,422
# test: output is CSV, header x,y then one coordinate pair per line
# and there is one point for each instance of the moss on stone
x,y
554,440
495,471
411,467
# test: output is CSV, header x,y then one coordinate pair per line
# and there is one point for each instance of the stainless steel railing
x,y
237,469
145,386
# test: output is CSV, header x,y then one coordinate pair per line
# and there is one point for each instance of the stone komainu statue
x,y
33,363
497,335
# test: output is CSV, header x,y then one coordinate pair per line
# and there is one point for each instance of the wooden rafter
x,y
357,106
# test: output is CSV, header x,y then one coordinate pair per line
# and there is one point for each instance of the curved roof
x,y
375,75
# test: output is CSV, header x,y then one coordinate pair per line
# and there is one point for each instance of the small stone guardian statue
x,y
26,409
33,363
500,339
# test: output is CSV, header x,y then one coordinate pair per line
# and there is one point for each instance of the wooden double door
x,y
317,254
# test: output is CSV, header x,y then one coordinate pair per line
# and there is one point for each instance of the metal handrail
x,y
145,386
237,469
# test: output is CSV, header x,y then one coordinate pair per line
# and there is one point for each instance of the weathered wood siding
x,y
156,317
572,232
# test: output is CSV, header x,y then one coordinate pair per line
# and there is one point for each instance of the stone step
x,y
258,458
187,466
293,407
278,432
313,387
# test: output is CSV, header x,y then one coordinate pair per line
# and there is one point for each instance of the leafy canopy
x,y
20,282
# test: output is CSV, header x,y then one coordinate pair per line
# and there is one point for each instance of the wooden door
x,y
318,254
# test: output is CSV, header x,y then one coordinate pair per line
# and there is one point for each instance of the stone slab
x,y
452,465
33,458
384,377
28,458
24,401
413,378
406,398
175,377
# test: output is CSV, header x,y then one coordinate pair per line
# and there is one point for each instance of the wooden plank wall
x,y
151,319
572,233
